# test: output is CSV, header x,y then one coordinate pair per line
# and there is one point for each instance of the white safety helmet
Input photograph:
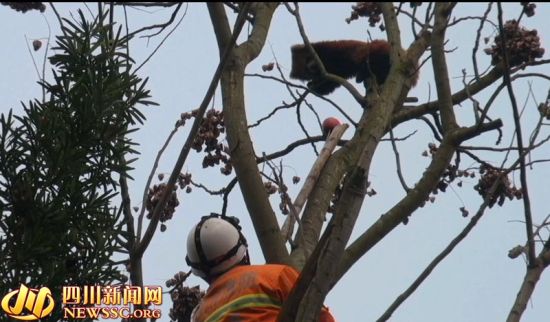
x,y
215,245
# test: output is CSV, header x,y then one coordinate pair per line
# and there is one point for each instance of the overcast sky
x,y
477,282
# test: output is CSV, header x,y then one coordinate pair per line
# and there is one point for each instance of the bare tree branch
x,y
162,41
404,115
155,217
319,271
240,143
523,169
344,159
147,4
57,15
150,179
441,256
478,37
413,200
226,193
398,163
530,280
441,74
160,27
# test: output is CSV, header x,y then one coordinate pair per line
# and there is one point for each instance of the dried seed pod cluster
x,y
451,173
504,189
184,300
25,6
153,198
544,110
366,9
272,188
184,181
285,199
522,45
528,8
207,139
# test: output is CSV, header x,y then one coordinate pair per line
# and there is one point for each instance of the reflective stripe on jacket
x,y
249,293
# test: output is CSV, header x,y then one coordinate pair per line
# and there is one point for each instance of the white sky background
x,y
477,282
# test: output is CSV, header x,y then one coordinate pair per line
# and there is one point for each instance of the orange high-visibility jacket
x,y
249,293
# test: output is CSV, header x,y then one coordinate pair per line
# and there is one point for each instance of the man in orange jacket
x,y
217,252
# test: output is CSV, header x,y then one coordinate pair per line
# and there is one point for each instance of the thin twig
x,y
544,224
475,103
302,126
162,41
32,58
314,139
306,92
497,91
57,15
413,26
398,163
493,149
466,18
415,20
226,193
161,26
150,179
529,164
523,174
291,147
478,37
275,110
147,4
434,128
207,190
45,59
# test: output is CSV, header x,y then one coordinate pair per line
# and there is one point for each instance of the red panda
x,y
345,58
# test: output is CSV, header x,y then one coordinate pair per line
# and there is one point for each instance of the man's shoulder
x,y
271,269
270,277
